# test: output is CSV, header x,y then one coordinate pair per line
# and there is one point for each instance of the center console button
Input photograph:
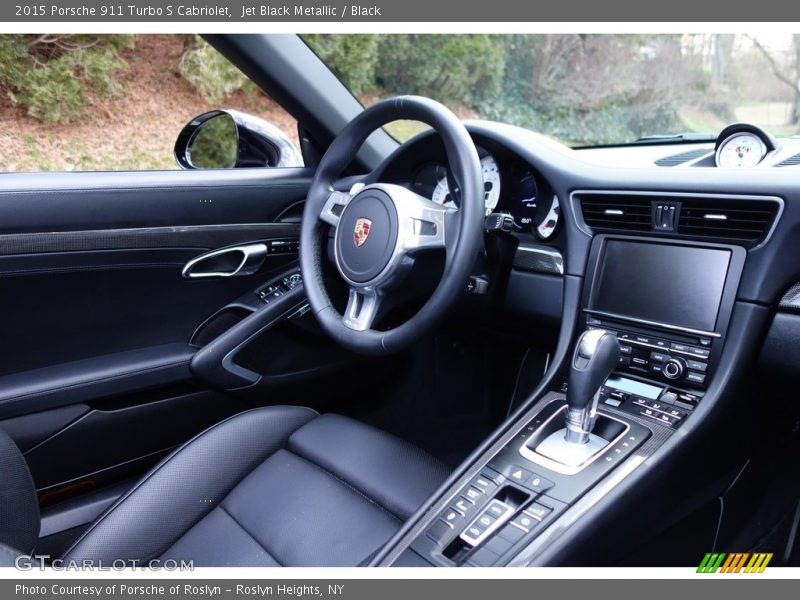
x,y
659,356
701,352
695,377
657,367
537,511
495,510
452,516
484,483
524,522
696,365
519,474
668,397
485,520
538,484
472,494
463,506
679,347
625,349
440,531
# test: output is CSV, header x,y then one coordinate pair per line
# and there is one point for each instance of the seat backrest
x,y
19,507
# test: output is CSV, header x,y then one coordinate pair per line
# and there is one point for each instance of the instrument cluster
x,y
510,186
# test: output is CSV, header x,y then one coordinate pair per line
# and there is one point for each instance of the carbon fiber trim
x,y
791,299
539,259
193,236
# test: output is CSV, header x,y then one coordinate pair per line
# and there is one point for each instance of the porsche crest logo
x,y
361,232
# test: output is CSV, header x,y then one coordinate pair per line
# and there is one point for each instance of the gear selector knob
x,y
596,354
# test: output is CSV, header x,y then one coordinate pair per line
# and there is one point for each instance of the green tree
x,y
54,76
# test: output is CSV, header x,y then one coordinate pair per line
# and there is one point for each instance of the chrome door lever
x,y
235,261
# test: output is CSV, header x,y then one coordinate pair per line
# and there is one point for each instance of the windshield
x,y
582,90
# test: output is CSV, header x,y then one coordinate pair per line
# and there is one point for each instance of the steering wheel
x,y
380,228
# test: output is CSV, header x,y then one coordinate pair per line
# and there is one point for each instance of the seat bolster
x,y
187,485
386,469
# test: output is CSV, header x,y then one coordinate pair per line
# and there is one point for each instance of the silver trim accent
x,y
558,259
547,463
611,315
253,256
716,217
576,209
613,211
501,520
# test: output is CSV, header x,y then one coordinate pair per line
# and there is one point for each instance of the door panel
x,y
95,381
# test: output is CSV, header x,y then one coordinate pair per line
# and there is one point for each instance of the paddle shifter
x,y
596,355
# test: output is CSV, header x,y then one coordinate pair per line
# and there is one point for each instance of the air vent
x,y
610,212
683,157
742,220
792,161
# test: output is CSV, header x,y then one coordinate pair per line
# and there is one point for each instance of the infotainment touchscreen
x,y
661,283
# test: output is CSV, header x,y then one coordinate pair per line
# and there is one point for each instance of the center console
x,y
651,328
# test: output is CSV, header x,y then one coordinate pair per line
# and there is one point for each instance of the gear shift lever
x,y
596,355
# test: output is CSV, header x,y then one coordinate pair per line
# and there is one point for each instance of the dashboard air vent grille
x,y
743,220
678,159
614,212
792,161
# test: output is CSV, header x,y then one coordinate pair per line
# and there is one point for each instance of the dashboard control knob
x,y
674,368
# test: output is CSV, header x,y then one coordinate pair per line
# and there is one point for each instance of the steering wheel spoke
x,y
362,308
426,225
334,207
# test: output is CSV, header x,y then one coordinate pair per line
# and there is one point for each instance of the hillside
x,y
136,130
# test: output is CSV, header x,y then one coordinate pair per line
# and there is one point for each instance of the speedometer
x,y
491,186
741,150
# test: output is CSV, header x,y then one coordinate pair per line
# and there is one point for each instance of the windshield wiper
x,y
688,137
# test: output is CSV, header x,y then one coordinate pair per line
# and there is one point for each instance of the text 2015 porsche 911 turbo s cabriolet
x,y
478,347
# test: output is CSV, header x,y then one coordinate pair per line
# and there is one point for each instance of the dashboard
x,y
684,251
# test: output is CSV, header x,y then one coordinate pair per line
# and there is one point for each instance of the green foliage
x,y
352,57
54,76
211,74
462,69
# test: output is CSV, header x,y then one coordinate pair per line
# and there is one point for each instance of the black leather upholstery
x,y
19,507
268,487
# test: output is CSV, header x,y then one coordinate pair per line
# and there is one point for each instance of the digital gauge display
x,y
525,210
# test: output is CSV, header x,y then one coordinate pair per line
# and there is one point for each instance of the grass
x,y
405,130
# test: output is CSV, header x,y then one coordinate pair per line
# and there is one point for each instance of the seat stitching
x,y
254,538
348,485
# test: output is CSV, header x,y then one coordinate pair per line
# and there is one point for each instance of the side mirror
x,y
226,138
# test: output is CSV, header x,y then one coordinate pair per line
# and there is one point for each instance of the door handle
x,y
235,261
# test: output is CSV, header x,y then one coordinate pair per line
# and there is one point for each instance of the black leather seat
x,y
268,487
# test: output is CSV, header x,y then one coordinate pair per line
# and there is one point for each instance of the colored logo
x,y
736,562
361,232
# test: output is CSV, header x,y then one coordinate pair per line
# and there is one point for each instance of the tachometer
x,y
491,186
